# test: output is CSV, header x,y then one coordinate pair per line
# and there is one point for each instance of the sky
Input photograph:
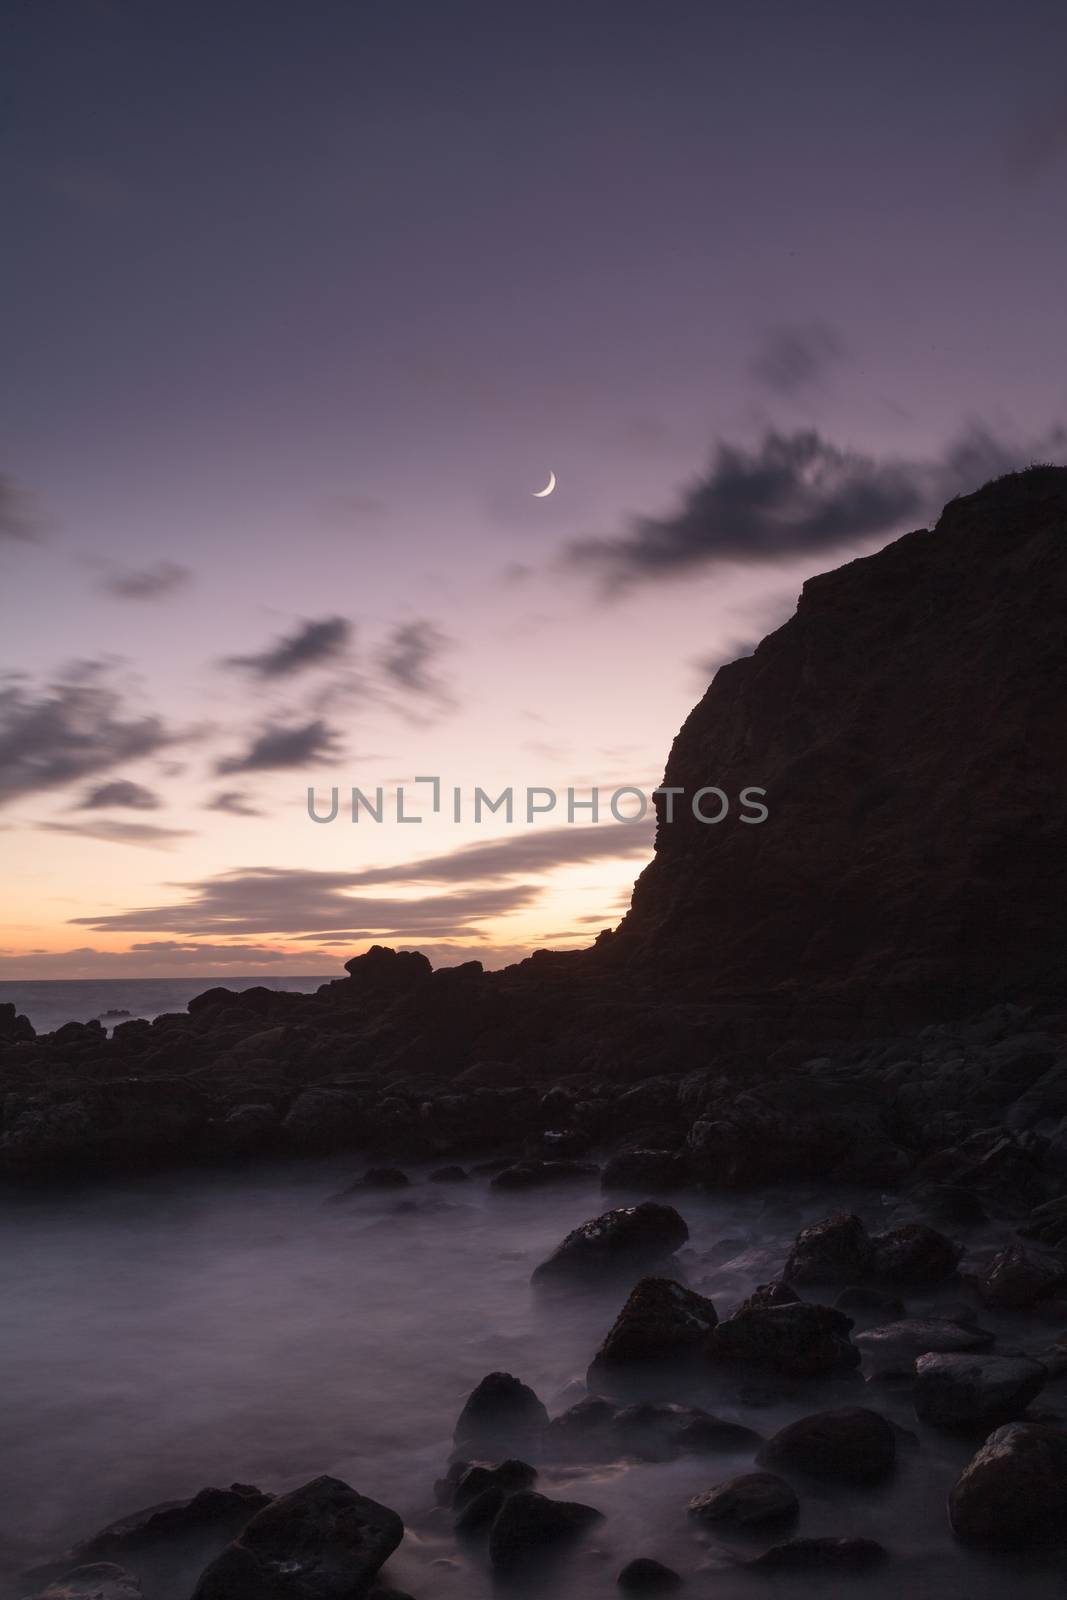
x,y
302,305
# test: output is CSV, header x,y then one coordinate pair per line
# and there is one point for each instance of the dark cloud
x,y
409,658
121,792
73,729
136,833
534,851
17,521
280,900
794,493
276,748
794,355
148,583
233,802
311,644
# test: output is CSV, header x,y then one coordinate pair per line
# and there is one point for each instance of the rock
x,y
798,1340
893,1349
751,1498
500,1412
323,1120
864,1300
385,1178
216,1511
449,1175
321,1542
617,1241
481,1511
248,1130
775,1293
915,1253
653,1171
508,1476
835,1250
962,1391
101,1581
645,1576
1014,1491
1017,1278
530,1528
848,1445
538,1174
821,1555
661,1321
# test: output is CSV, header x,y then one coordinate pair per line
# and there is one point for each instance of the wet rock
x,y
539,1174
893,1349
530,1528
821,1555
323,1120
914,1253
321,1542
1047,1223
481,1511
582,1432
617,1241
1015,1488
449,1175
661,1321
100,1581
248,1130
500,1411
865,1301
1017,1278
751,1498
835,1250
798,1340
847,1445
508,1476
654,1171
645,1576
214,1511
775,1293
385,1178
962,1391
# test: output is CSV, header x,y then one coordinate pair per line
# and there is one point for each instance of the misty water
x,y
175,1331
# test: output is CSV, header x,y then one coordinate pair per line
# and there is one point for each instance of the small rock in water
x,y
538,1174
661,1321
1014,1490
100,1581
509,1476
915,1253
321,1542
751,1498
825,1555
617,1241
1017,1278
847,1445
645,1576
481,1510
209,1511
500,1411
531,1527
835,1250
961,1391
385,1178
449,1175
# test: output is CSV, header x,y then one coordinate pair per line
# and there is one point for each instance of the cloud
x,y
17,522
279,900
708,666
199,959
69,731
535,851
409,655
277,748
794,355
147,583
797,494
233,802
136,833
311,644
120,792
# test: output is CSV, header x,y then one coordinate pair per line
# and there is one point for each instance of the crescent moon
x,y
539,494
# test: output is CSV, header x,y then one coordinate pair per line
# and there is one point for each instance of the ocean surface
x,y
177,1330
49,1003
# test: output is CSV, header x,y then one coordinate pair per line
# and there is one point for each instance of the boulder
x,y
966,1391
914,1254
531,1528
321,1542
539,1174
509,1476
618,1241
653,1171
500,1412
661,1321
210,1511
836,1250
892,1349
847,1445
775,1293
452,1174
1017,1278
753,1497
1014,1491
798,1340
323,1120
821,1555
645,1576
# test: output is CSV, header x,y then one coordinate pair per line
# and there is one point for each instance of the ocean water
x,y
172,1331
49,1003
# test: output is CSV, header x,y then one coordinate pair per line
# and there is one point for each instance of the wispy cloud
x,y
18,521
410,657
121,792
156,582
143,834
536,850
311,645
276,748
794,355
233,802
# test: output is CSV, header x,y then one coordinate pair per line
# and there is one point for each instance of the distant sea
x,y
50,1002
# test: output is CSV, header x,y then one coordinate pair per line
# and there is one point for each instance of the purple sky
x,y
301,305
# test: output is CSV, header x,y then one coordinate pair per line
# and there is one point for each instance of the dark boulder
x,y
962,1391
915,1254
385,1178
645,1576
618,1241
1017,1278
661,1321
821,1555
836,1250
449,1175
509,1476
501,1412
892,1349
766,1295
321,1542
539,1174
215,1511
752,1498
847,1445
531,1528
798,1340
1014,1491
